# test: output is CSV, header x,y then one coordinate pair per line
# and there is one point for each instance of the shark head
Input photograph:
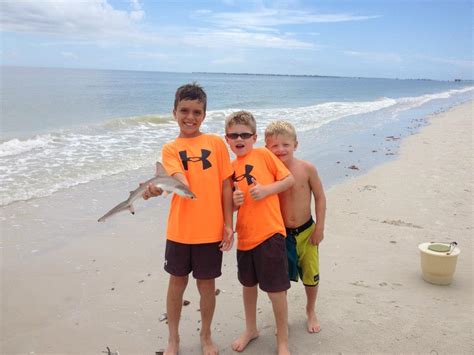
x,y
185,192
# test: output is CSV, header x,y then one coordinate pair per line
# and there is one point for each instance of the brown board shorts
x,y
266,265
204,260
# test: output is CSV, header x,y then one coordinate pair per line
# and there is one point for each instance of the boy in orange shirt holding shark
x,y
198,229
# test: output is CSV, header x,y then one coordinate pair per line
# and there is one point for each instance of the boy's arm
x,y
227,207
259,192
319,204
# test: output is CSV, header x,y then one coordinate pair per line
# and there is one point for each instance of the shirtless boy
x,y
303,233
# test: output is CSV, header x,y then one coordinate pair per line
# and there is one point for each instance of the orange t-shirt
x,y
205,162
258,220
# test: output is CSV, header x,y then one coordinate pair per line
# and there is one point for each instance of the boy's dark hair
x,y
190,92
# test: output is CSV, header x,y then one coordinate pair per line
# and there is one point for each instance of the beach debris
x,y
186,302
112,289
163,317
393,241
350,151
374,151
162,180
109,352
159,352
141,281
353,167
338,162
148,275
217,291
391,138
368,188
400,223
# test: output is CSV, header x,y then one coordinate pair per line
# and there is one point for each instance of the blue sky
x,y
391,39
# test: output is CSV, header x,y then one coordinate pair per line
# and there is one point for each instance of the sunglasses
x,y
244,135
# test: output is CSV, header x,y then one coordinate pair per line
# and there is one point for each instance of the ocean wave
x,y
48,184
412,102
16,146
307,117
143,120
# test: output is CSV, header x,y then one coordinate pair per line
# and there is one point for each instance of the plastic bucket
x,y
438,262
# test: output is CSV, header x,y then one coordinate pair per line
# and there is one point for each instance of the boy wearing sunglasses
x,y
303,235
261,255
198,229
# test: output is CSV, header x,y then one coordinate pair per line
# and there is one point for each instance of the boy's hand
x,y
227,239
317,236
151,191
258,192
237,195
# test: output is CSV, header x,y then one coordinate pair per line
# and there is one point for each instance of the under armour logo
x,y
206,164
247,175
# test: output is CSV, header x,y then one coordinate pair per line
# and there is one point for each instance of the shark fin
x,y
160,170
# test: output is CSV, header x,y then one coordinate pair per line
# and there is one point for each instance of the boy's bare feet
x,y
313,323
245,338
173,347
208,346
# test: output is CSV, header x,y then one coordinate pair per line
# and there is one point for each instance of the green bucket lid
x,y
440,248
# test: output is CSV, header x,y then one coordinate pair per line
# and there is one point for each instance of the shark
x,y
161,180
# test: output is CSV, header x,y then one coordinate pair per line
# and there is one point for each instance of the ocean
x,y
64,127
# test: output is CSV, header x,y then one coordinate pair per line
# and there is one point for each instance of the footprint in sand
x,y
360,284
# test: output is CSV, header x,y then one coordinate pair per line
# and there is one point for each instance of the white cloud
x,y
450,61
98,23
228,60
397,58
149,55
69,55
212,38
375,57
76,19
275,17
137,14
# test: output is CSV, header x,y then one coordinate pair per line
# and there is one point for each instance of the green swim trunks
x,y
303,257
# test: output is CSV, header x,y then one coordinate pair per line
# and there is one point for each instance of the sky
x,y
388,39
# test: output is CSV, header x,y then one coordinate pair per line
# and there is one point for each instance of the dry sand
x,y
107,288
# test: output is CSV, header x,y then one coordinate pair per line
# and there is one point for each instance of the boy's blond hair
x,y
241,117
280,127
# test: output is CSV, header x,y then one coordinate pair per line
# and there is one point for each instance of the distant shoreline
x,y
244,74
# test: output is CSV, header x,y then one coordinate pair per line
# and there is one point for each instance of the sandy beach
x,y
70,285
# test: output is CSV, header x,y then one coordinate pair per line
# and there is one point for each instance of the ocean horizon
x,y
64,127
